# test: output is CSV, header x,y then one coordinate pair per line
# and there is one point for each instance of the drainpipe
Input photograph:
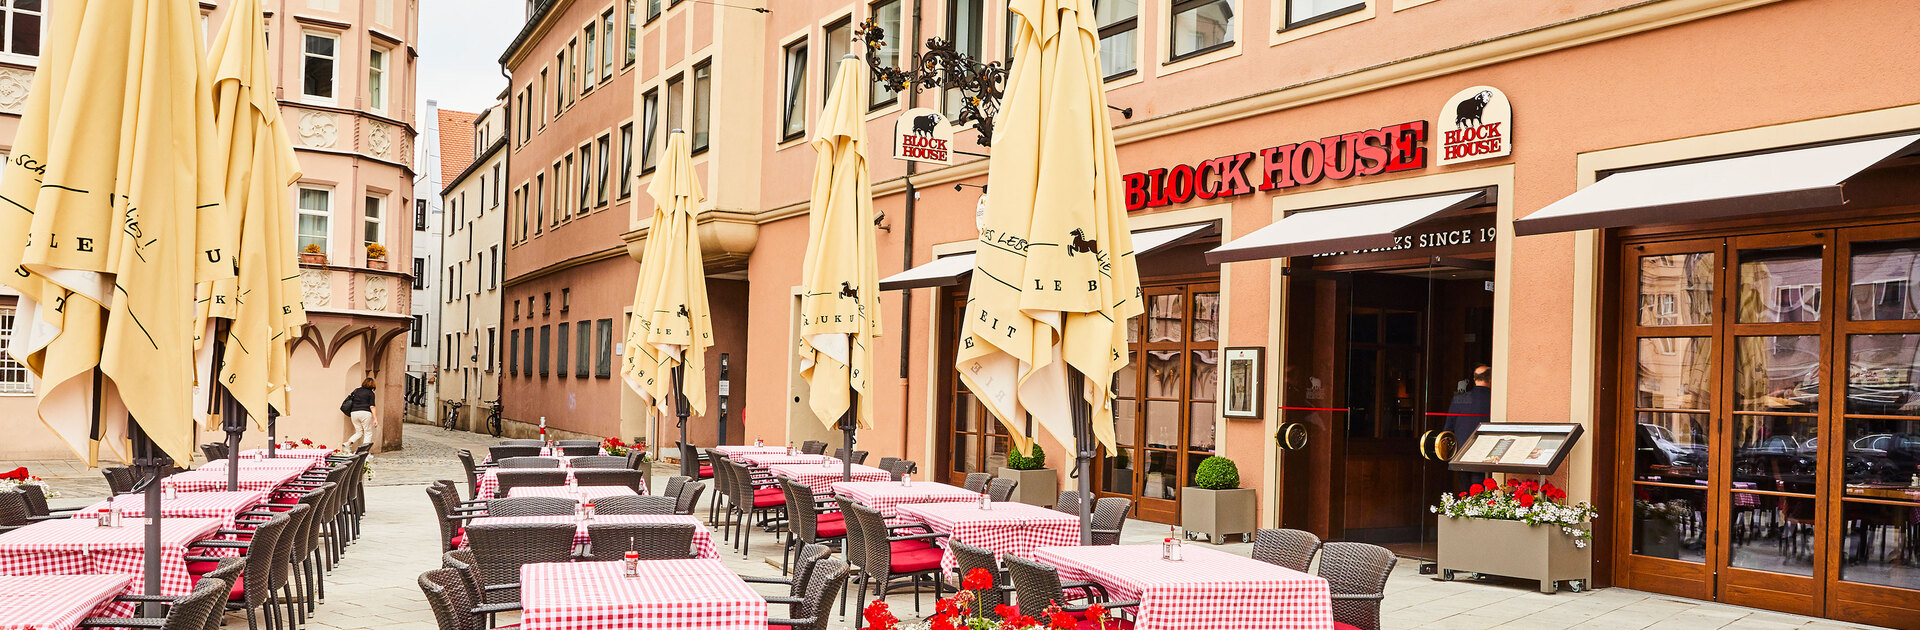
x,y
906,262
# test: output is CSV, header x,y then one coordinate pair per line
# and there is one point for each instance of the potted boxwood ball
x,y
1216,505
1038,485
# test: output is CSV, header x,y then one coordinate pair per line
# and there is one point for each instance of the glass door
x,y
1165,413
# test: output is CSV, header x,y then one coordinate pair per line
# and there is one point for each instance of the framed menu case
x,y
1535,448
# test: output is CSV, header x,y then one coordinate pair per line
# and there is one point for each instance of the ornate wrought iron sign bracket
x,y
942,67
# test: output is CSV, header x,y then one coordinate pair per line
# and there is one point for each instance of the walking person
x,y
359,408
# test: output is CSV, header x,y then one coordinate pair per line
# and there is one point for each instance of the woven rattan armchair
x,y
601,461
1109,517
967,558
592,443
510,479
1356,574
687,498
675,485
448,516
899,468
813,447
653,541
637,504
885,562
811,520
214,450
528,462
977,482
1037,586
532,443
472,469
13,511
722,500
501,453
256,578
531,506
693,463
812,612
859,457
119,479
802,567
1002,489
1290,548
754,500
451,598
462,560
612,477
195,611
580,451
37,503
499,549
886,464
1069,502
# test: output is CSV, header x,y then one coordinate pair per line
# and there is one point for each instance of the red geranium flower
x,y
306,441
1062,621
1474,489
1098,615
1526,500
942,623
1004,611
878,616
977,579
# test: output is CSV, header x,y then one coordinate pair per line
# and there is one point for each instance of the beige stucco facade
x,y
473,226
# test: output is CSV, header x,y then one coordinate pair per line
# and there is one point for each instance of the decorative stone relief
x,y
377,293
13,89
316,287
318,130
380,140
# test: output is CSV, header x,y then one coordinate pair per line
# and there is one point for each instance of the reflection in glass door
x,y
1165,412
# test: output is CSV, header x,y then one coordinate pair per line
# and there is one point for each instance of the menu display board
x,y
1516,447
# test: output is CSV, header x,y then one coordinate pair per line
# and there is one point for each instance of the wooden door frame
x,y
1188,285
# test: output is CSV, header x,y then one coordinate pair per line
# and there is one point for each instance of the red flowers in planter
x,y
977,579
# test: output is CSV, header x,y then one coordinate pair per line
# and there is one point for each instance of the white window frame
x,y
379,92
590,57
6,22
608,48
326,245
602,168
15,380
377,220
793,90
625,186
333,80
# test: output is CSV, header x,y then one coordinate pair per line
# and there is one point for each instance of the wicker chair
x,y
501,453
532,443
638,504
580,451
528,462
592,443
214,450
807,523
601,461
1109,517
37,507
292,539
462,561
752,499
977,482
451,597
813,447
886,562
859,457
828,577
886,464
531,506
1290,548
1069,502
612,477
693,463
1356,573
256,579
687,497
196,611
119,479
653,541
1037,586
802,568
675,485
636,459
899,468
450,522
722,500
1002,489
967,558
473,471
510,479
500,548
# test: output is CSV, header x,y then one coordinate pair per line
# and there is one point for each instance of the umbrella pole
x,y
148,458
689,462
1083,450
231,413
847,425
273,417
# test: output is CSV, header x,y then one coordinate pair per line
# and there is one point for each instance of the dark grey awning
x,y
952,270
1344,228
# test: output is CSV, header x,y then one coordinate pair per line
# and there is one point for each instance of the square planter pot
x,y
1218,513
377,263
1037,487
1513,549
313,259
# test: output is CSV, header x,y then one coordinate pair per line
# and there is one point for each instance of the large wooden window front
x,y
1164,418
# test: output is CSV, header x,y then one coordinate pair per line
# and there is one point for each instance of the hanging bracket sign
x,y
923,135
1476,124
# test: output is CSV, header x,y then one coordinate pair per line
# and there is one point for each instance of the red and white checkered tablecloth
x,y
668,594
587,492
315,454
1015,528
58,602
821,477
298,463
225,506
490,483
258,479
888,496
1209,590
768,459
733,452
702,537
74,546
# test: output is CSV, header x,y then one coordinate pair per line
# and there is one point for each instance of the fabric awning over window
x,y
1780,181
952,270
1344,228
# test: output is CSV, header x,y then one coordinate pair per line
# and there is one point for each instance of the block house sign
x,y
923,135
1476,124
1387,149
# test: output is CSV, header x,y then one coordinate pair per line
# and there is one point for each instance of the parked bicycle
x,y
493,417
452,418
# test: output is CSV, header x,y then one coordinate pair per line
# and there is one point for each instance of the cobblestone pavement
x,y
374,586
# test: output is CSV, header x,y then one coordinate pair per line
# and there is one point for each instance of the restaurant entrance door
x,y
1376,357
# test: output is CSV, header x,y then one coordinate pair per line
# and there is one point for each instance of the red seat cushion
x,y
909,546
1114,624
927,559
706,471
460,541
779,626
775,499
1344,626
831,528
198,569
832,516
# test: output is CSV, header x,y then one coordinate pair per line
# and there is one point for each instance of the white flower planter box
x,y
1513,549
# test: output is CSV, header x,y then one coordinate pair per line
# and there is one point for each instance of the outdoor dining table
x,y
288,453
298,463
733,452
225,506
1206,590
1015,528
768,459
490,483
702,537
60,602
701,593
887,496
206,480
548,452
577,493
821,477
74,546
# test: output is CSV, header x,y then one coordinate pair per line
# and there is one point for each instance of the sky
x,y
460,46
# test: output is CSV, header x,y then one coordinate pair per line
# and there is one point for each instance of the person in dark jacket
x,y
1468,409
360,409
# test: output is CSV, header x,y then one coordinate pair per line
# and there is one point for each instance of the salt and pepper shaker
x,y
906,479
789,449
588,506
168,492
1173,544
986,501
759,443
579,512
631,564
105,519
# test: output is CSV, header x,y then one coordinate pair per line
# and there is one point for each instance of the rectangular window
x,y
1304,12
560,94
526,353
546,356
316,220
601,167
626,160
544,89
966,28
560,349
516,310
495,284
318,66
520,104
886,14
419,215
419,273
417,332
603,342
513,350
1200,26
649,128
373,221
563,200
653,9
702,105
590,57
633,30
1119,23
21,33
499,186
566,300
540,202
793,98
521,201
573,70
377,80
838,40
607,43
13,375
676,100
583,352
492,344
585,176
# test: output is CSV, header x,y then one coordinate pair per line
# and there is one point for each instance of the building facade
x,y
470,327
423,346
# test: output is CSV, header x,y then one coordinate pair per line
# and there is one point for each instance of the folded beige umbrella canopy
x,y
839,306
669,327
